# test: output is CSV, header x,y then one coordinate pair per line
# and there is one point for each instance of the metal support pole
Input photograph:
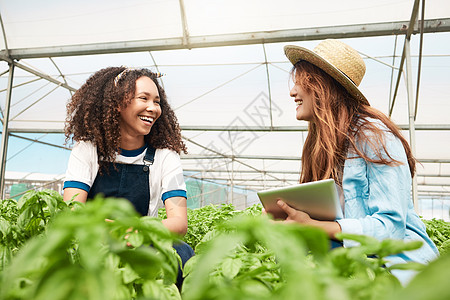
x,y
232,183
232,169
5,133
411,116
268,85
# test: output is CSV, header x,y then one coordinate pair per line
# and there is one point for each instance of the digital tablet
x,y
317,198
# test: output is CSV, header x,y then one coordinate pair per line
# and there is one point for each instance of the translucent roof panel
x,y
50,23
55,23
237,16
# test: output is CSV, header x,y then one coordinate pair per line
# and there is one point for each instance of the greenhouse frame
x,y
227,80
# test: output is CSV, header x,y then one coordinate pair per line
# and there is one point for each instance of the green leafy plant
x,y
81,255
255,258
439,232
104,250
22,220
205,219
431,283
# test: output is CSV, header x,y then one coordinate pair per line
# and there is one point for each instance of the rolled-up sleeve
x,y
172,179
82,166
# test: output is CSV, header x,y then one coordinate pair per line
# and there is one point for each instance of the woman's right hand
x,y
298,216
294,215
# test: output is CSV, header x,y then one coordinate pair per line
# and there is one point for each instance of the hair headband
x,y
122,74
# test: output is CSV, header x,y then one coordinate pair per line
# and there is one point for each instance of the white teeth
x,y
299,102
145,118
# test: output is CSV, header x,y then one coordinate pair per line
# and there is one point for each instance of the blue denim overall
x,y
127,181
131,182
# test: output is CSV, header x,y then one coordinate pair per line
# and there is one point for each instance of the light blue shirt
x,y
378,203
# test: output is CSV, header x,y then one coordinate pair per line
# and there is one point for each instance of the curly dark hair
x,y
93,115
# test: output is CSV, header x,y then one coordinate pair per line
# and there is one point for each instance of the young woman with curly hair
x,y
127,145
357,146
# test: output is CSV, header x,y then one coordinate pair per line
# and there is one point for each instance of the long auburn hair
x,y
339,122
92,113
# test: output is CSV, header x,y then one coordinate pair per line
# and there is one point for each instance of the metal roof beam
x,y
5,40
423,127
191,156
297,128
275,36
34,72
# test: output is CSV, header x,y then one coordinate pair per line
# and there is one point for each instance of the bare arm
x,y
176,210
70,192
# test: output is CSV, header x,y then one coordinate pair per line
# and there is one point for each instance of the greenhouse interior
x,y
228,81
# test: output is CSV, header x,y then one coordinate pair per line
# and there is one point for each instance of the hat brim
x,y
297,53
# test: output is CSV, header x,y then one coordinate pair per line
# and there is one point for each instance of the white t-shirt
x,y
166,174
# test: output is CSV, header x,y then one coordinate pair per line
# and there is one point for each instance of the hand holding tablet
x,y
318,199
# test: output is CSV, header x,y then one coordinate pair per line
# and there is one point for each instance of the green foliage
x,y
439,232
254,258
100,250
431,283
205,219
22,220
104,250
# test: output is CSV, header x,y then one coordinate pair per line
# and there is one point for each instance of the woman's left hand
x,y
294,215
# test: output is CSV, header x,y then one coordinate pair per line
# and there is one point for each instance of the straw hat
x,y
337,59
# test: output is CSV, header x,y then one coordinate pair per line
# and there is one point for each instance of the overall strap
x,y
129,181
149,157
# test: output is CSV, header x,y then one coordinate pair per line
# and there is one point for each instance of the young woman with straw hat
x,y
359,147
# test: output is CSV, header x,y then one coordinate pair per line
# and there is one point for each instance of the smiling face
x,y
138,117
304,101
